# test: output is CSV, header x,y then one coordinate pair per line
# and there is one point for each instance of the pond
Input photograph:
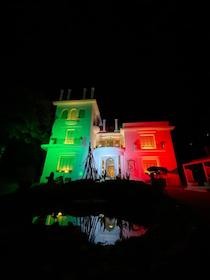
x,y
99,229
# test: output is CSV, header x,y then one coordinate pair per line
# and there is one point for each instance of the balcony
x,y
109,143
69,141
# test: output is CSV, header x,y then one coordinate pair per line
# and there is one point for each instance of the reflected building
x,y
98,229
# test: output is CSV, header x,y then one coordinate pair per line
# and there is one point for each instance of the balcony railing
x,y
108,144
70,141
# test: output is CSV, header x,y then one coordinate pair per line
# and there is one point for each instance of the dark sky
x,y
146,59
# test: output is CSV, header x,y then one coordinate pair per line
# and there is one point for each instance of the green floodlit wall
x,y
61,148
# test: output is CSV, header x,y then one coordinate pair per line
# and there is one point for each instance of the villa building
x,y
127,151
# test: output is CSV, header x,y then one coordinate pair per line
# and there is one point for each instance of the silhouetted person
x,y
127,176
152,178
50,179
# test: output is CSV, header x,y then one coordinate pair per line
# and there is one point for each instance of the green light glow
x,y
70,137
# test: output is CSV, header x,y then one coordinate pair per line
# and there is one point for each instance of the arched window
x,y
64,114
73,114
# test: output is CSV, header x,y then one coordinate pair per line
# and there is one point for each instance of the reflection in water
x,y
99,229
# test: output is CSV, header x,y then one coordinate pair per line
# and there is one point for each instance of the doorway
x,y
110,170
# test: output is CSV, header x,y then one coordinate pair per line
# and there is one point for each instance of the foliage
x,y
27,118
90,171
157,170
25,121
157,175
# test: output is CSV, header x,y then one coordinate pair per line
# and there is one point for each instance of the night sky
x,y
146,59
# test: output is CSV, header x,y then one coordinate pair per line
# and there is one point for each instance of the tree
x,y
157,170
157,175
25,120
27,117
90,171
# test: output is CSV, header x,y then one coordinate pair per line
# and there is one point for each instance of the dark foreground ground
x,y
197,201
177,244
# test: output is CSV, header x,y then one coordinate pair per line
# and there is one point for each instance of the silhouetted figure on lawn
x,y
157,176
152,179
50,179
127,176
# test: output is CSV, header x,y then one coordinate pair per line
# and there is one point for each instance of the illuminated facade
x,y
128,151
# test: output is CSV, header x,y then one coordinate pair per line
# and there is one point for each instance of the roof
x,y
160,125
78,102
197,161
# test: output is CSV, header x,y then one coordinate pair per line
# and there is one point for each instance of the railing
x,y
72,141
108,143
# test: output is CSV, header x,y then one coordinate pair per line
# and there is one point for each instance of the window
x,y
148,163
65,164
73,114
69,136
81,114
64,114
148,141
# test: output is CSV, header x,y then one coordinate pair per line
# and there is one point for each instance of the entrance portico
x,y
109,161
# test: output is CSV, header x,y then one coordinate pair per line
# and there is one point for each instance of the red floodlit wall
x,y
147,144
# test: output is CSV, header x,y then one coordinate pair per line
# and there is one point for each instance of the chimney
x,y
104,125
116,125
92,92
61,94
84,93
69,94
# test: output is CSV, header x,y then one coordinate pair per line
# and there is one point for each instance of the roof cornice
x,y
142,129
78,102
